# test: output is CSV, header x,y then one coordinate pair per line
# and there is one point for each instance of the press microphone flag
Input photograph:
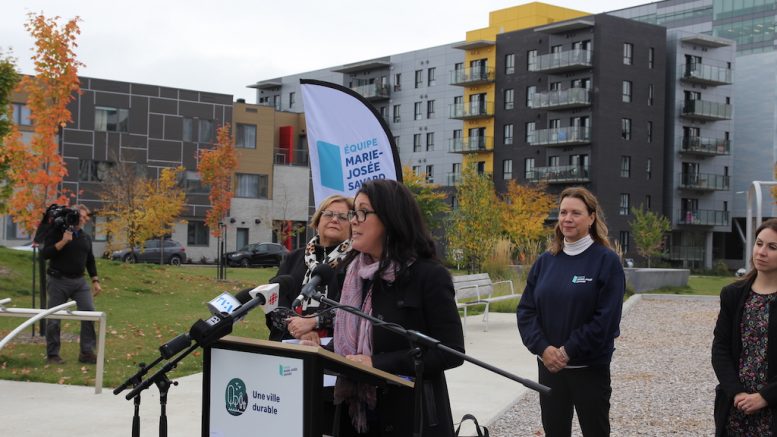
x,y
349,143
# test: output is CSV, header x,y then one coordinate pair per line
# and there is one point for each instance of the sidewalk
x,y
36,409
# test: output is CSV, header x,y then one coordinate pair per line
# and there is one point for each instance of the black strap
x,y
481,430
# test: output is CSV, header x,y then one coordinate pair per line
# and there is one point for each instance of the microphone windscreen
x,y
324,271
285,283
243,295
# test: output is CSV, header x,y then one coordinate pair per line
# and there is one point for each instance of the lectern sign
x,y
255,392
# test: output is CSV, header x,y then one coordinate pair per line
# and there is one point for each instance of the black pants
x,y
587,390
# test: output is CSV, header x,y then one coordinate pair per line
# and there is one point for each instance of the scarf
x,y
353,335
311,261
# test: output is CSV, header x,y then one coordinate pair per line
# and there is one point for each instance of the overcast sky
x,y
224,45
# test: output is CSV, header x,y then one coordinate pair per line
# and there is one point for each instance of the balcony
x,y
704,182
454,178
293,157
562,99
562,136
568,60
702,217
705,110
685,253
470,144
472,76
472,110
705,146
706,74
561,174
373,91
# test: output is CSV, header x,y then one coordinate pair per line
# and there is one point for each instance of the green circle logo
x,y
236,397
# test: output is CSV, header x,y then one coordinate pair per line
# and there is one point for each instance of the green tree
x,y
475,223
648,229
430,200
9,78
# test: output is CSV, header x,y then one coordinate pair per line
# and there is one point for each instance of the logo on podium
x,y
236,397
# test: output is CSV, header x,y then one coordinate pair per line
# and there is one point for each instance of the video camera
x,y
57,217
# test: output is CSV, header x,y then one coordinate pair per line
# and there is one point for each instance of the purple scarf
x,y
353,335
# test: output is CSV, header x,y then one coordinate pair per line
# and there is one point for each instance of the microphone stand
x,y
419,342
134,381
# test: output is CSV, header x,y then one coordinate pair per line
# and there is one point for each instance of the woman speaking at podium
x,y
396,277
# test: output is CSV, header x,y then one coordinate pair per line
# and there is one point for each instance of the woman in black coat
x,y
744,347
396,277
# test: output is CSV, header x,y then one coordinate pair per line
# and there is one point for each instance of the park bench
x,y
478,289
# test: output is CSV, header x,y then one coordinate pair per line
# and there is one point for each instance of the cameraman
x,y
70,251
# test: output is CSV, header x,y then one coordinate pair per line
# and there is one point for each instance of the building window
x,y
398,82
528,168
111,119
417,170
429,174
628,53
648,202
196,233
530,92
396,114
625,166
292,99
21,114
416,142
430,109
14,232
554,161
90,170
531,60
650,95
252,186
650,132
508,133
624,207
246,136
623,239
626,128
419,78
531,127
509,99
651,57
507,169
510,63
649,169
193,183
207,133
417,110
627,91
429,141
431,76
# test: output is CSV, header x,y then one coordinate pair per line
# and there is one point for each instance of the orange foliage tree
x,y
524,210
9,78
37,169
216,167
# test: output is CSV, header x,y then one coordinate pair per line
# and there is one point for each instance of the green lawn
x,y
147,305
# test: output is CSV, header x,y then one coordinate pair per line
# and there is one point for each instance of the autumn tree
x,y
37,169
523,212
430,200
216,167
9,78
161,203
475,224
648,229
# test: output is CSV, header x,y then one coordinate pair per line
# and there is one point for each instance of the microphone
x,y
322,273
269,293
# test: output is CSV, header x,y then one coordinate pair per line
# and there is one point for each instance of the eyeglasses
x,y
360,215
331,215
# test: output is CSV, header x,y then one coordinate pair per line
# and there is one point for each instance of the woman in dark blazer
x,y
396,277
744,347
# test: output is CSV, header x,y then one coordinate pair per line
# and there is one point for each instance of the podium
x,y
267,388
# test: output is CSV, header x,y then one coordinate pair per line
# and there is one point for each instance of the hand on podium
x,y
310,339
361,359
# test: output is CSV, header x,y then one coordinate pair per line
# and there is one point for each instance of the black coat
x,y
726,349
422,299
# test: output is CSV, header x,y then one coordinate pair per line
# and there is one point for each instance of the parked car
x,y
174,253
257,254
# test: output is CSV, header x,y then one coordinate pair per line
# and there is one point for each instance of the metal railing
x,y
706,110
705,181
559,174
293,157
706,74
373,91
561,136
470,144
471,76
562,61
705,146
568,98
471,110
702,217
454,178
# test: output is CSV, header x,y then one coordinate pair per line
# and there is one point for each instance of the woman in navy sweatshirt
x,y
569,316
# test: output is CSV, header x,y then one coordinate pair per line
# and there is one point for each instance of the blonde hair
x,y
334,198
598,230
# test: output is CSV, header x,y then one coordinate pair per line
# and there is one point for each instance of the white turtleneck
x,y
578,246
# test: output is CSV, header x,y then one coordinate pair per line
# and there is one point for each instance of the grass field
x,y
147,305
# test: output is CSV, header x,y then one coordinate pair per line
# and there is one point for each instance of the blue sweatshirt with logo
x,y
575,302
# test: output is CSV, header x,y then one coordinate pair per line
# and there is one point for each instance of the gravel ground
x,y
662,379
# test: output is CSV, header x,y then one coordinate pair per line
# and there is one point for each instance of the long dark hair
x,y
768,224
406,234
